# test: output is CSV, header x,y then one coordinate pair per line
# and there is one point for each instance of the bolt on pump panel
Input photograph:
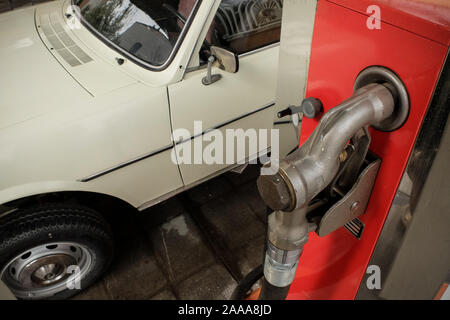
x,y
344,46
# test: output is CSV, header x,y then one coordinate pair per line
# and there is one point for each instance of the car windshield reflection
x,y
148,30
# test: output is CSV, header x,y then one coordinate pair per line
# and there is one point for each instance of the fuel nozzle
x,y
314,167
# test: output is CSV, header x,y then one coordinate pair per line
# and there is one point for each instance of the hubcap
x,y
47,269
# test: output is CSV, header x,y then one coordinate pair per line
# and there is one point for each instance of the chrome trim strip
x,y
124,164
155,152
227,122
136,59
192,69
170,194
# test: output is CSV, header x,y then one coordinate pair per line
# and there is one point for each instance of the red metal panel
x,y
332,267
428,18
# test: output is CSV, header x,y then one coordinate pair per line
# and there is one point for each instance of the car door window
x,y
246,25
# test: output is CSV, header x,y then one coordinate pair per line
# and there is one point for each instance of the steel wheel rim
x,y
47,269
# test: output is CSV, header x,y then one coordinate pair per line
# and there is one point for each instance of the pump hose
x,y
271,292
268,291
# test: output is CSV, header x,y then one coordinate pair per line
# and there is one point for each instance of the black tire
x,y
34,229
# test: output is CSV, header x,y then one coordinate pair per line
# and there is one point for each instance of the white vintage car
x,y
90,93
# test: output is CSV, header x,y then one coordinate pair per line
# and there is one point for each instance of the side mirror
x,y
223,59
226,60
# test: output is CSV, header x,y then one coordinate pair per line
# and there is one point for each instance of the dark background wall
x,y
6,5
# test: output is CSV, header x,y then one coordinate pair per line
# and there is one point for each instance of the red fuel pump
x,y
379,70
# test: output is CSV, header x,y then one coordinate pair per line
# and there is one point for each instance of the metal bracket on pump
x,y
327,182
349,193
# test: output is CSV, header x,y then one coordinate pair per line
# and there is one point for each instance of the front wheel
x,y
53,251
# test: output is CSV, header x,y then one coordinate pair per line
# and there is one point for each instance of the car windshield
x,y
148,30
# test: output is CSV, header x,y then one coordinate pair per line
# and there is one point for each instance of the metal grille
x,y
249,16
61,42
355,227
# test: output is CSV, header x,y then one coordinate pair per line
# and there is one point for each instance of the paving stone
x,y
250,173
249,194
251,255
151,252
214,283
233,219
209,190
134,273
164,295
95,292
161,212
180,248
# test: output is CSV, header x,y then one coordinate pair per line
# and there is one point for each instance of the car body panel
x,y
170,74
90,137
28,66
94,74
426,18
224,101
54,133
103,127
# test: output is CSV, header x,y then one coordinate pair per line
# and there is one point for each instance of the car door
x,y
242,100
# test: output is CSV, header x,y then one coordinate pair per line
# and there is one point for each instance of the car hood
x,y
37,76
